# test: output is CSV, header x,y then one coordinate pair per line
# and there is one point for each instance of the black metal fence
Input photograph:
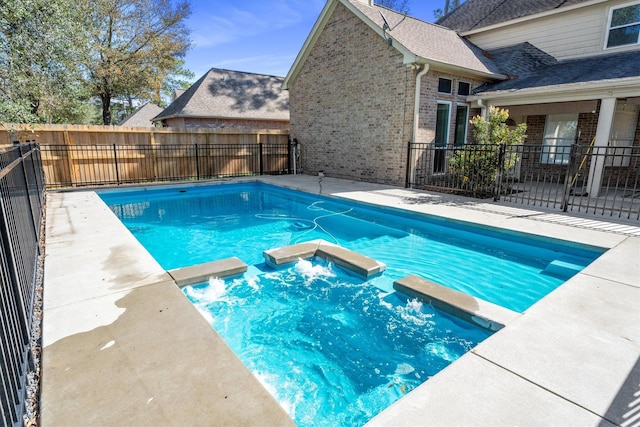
x,y
115,164
570,178
21,215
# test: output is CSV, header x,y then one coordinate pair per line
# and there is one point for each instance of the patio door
x,y
443,118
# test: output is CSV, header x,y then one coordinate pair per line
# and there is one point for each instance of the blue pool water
x,y
333,349
187,226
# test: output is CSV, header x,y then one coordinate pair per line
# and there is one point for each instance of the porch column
x,y
605,120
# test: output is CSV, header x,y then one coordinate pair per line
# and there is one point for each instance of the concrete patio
x,y
123,346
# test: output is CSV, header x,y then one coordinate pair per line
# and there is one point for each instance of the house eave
x,y
618,88
443,66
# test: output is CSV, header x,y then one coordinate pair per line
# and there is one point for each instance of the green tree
x,y
478,166
181,78
133,46
40,76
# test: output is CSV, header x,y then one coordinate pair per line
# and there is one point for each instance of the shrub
x,y
478,166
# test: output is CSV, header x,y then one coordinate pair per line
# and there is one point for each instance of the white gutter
x,y
416,104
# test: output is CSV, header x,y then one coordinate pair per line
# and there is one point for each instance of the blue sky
x,y
260,36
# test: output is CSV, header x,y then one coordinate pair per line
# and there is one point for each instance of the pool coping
x,y
566,360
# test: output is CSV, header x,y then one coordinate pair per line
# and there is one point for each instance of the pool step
x,y
353,261
564,267
470,308
200,273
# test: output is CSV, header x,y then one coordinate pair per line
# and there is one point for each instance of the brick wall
x,y
351,104
212,123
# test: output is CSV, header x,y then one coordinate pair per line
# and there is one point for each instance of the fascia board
x,y
619,88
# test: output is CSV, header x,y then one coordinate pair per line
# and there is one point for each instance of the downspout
x,y
411,166
416,105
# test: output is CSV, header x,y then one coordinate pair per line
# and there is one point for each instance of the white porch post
x,y
605,120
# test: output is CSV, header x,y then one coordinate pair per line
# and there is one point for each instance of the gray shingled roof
x,y
474,14
553,73
234,95
142,117
429,41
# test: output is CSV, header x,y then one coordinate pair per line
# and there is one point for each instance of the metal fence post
x,y
260,158
498,188
407,178
568,179
197,163
115,162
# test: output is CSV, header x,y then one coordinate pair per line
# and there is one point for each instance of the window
x,y
624,26
559,134
444,85
443,118
462,117
623,131
463,88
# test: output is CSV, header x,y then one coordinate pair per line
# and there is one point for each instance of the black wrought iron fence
x,y
115,164
577,178
21,210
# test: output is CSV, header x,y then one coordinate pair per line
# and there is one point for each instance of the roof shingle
x,y
232,94
545,72
474,14
429,41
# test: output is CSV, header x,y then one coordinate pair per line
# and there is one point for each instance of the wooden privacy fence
x,y
105,155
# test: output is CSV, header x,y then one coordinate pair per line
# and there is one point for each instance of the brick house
x,y
368,80
230,99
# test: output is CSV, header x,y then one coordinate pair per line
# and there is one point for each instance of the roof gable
x,y
474,14
418,41
231,94
142,117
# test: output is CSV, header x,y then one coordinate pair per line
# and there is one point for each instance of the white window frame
x,y
609,28
448,130
551,154
450,81
458,88
466,125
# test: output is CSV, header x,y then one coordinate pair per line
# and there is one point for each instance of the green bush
x,y
476,166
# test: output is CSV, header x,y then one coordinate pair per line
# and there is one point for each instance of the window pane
x,y
623,36
444,85
559,134
461,126
625,15
463,88
442,125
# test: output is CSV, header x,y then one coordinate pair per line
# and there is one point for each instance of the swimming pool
x,y
191,225
187,226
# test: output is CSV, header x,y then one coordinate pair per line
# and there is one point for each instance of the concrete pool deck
x,y
123,346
